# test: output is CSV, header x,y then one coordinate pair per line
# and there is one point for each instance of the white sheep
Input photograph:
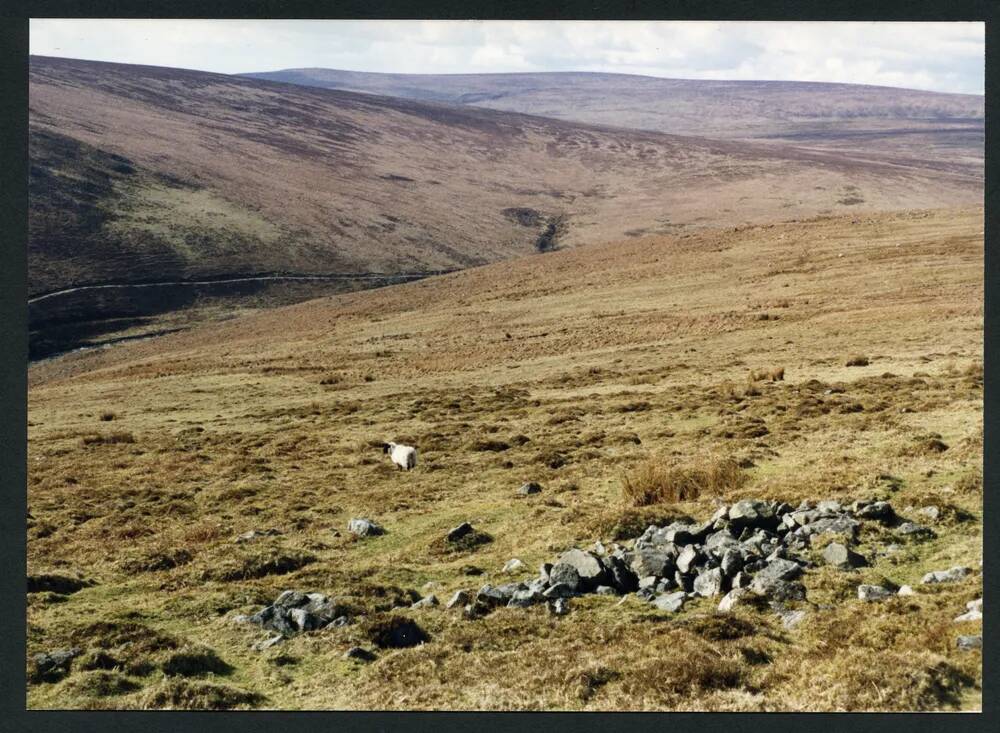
x,y
404,456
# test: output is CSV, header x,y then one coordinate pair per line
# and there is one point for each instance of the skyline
x,y
942,57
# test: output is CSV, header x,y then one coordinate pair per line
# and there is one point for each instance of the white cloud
x,y
938,56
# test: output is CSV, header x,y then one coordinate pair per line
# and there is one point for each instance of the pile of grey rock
x,y
753,548
293,612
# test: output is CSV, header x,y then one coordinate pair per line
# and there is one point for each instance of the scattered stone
x,y
968,643
752,513
791,619
525,598
652,561
686,560
623,578
906,591
732,562
426,602
951,575
261,646
973,611
513,566
588,567
931,512
605,590
254,534
741,580
672,602
840,556
529,488
293,612
458,532
708,583
460,598
559,607
559,590
912,530
734,598
50,666
364,528
873,593
360,654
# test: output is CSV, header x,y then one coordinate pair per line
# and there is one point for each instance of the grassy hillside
x,y
146,172
885,121
573,369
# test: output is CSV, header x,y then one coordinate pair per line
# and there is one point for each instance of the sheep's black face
x,y
385,447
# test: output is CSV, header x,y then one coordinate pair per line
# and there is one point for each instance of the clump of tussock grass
x,y
858,680
468,542
656,482
267,561
630,522
495,446
115,438
857,360
155,561
177,693
721,626
704,670
774,374
393,632
590,681
56,583
195,661
551,458
101,683
970,481
100,659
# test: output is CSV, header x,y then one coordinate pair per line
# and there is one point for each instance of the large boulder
x,y
362,527
566,576
878,510
672,602
652,561
623,578
588,566
841,556
752,513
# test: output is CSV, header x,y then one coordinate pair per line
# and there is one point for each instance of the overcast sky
x,y
945,57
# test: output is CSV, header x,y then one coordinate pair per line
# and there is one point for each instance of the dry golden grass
x,y
655,482
608,363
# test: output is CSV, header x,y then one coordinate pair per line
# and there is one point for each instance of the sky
x,y
946,57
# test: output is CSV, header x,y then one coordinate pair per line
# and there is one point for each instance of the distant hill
x,y
145,172
836,116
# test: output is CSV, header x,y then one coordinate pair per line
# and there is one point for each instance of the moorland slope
x,y
574,369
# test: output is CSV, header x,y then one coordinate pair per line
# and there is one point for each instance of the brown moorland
x,y
145,172
886,123
586,364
